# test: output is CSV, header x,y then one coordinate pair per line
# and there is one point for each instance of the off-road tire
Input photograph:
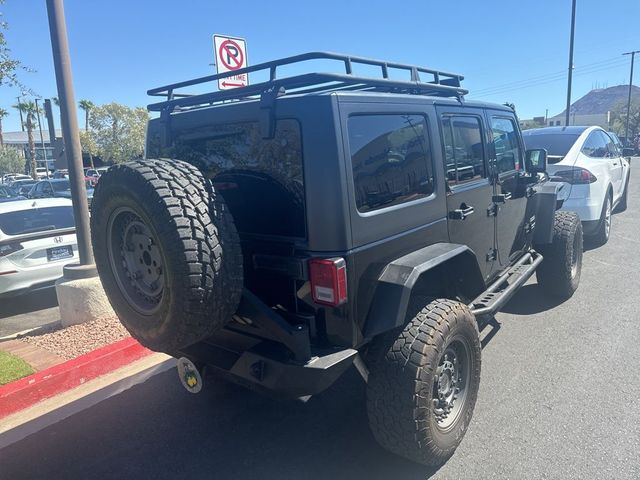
x,y
197,245
601,235
401,388
559,273
622,204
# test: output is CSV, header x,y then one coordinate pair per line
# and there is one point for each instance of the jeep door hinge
x,y
492,255
492,210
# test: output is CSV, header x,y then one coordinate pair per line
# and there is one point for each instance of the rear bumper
x,y
269,373
588,209
27,279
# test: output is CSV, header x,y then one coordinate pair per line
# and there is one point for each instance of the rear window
x,y
557,145
36,220
391,160
260,179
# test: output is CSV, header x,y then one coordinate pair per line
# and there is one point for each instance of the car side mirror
x,y
628,152
536,160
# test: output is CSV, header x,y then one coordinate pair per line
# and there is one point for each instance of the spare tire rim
x,y
136,260
451,383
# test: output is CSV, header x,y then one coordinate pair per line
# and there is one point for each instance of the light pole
x,y
573,30
20,110
626,130
62,64
44,150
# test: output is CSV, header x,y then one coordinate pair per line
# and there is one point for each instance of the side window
x,y
46,188
612,149
595,146
391,159
463,150
505,141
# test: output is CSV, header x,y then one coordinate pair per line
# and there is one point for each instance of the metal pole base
x,y
75,271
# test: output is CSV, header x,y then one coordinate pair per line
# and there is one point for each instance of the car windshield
x,y
60,186
556,144
36,220
6,192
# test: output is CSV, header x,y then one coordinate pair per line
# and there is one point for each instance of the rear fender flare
x,y
399,278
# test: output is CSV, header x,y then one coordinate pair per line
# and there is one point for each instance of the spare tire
x,y
167,252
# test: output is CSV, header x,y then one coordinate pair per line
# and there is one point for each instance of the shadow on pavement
x,y
157,430
28,302
531,299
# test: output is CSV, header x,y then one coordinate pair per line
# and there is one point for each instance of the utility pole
x,y
62,64
20,110
573,30
44,150
626,130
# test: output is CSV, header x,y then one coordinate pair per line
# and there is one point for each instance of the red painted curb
x,y
30,390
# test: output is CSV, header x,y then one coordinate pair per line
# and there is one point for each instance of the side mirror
x,y
536,160
628,152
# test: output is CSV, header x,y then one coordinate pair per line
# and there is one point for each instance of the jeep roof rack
x,y
439,84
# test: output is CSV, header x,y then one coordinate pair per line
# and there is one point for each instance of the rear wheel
x,y
424,381
601,236
167,252
559,273
622,205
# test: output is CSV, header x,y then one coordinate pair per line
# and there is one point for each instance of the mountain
x,y
602,100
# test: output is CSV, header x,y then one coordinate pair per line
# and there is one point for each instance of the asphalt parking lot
x,y
30,310
559,398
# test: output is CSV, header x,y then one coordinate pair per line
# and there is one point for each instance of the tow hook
x,y
190,375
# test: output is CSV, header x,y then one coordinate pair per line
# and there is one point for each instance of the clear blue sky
x,y
515,50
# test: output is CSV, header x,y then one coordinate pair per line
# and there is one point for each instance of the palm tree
x,y
87,105
29,108
3,113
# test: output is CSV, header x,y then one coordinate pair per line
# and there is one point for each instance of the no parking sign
x,y
231,54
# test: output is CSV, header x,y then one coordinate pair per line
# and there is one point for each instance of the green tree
x,y
29,111
87,105
3,113
619,118
10,161
118,131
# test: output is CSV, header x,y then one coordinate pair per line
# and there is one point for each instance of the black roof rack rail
x,y
440,84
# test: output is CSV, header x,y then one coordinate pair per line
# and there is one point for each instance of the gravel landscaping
x,y
79,339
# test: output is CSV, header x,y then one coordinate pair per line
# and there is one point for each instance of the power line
x,y
609,63
542,81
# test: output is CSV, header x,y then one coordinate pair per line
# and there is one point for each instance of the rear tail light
x,y
577,176
328,280
9,248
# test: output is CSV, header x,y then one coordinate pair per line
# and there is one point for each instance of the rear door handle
x,y
461,213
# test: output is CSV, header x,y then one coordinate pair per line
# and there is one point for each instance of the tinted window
x,y
463,149
249,171
36,220
59,186
596,145
556,144
505,141
391,160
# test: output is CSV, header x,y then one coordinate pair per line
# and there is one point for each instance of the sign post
x,y
231,55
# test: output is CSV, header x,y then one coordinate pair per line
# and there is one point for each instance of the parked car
x,y
8,194
61,173
594,170
23,186
10,177
37,238
626,152
282,241
92,175
42,172
57,187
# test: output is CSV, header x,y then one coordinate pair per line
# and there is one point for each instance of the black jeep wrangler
x,y
281,232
